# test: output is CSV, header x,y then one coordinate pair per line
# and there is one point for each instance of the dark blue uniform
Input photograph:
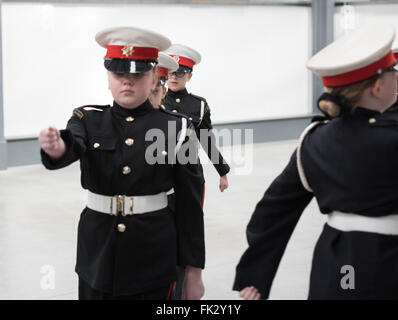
x,y
143,257
351,165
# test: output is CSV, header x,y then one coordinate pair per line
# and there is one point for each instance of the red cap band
x,y
396,55
183,60
131,52
360,74
163,72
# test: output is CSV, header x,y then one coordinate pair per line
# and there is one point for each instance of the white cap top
x,y
167,62
184,55
364,50
131,50
132,36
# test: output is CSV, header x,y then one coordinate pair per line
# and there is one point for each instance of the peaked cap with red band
x,y
356,56
185,56
131,50
166,64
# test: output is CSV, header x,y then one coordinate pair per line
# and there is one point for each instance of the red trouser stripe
x,y
171,289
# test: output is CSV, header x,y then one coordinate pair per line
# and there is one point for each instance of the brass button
x,y
190,119
164,153
129,119
126,170
178,100
129,142
174,110
96,145
372,120
163,107
121,227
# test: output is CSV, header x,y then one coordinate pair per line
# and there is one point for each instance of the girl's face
x,y
130,90
388,89
157,95
177,83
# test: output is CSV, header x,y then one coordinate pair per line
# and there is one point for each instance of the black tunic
x,y
145,255
351,165
190,105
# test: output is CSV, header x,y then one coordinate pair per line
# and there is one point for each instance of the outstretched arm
x,y
59,148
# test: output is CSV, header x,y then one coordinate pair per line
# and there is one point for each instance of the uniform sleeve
x,y
75,138
270,228
188,186
208,142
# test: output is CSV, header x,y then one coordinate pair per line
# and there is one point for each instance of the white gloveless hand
x,y
51,142
193,287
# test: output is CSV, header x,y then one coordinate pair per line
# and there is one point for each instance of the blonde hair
x,y
351,93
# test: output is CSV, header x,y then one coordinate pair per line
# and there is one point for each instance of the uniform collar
x,y
177,94
139,111
366,112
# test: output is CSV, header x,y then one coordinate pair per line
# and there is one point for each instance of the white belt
x,y
126,205
354,222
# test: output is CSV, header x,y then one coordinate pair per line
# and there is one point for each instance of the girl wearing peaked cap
x,y
347,161
129,241
166,65
178,99
195,107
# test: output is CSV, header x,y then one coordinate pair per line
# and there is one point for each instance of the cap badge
x,y
176,58
128,50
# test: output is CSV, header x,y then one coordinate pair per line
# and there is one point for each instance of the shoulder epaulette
x,y
198,97
80,111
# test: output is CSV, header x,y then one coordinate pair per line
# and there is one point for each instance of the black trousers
x,y
86,292
177,293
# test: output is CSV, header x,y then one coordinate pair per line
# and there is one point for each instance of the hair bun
x,y
329,108
332,104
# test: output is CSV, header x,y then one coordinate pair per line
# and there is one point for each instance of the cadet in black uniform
x,y
168,65
196,108
127,236
349,164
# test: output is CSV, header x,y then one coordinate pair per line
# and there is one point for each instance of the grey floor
x,y
39,212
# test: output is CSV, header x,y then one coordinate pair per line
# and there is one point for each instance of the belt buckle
x,y
120,208
131,205
120,205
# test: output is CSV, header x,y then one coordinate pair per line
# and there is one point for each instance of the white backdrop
x,y
366,14
253,58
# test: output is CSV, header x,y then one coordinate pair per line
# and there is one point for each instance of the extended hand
x,y
223,183
193,287
250,293
51,142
